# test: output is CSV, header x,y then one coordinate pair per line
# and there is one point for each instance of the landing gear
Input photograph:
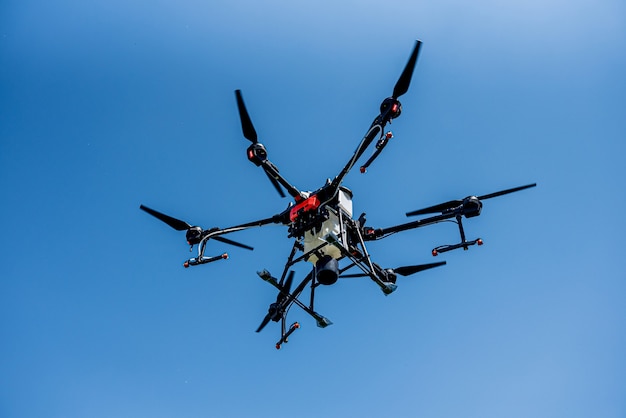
x,y
463,244
285,337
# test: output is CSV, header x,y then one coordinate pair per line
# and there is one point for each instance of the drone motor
x,y
471,206
194,235
391,105
257,153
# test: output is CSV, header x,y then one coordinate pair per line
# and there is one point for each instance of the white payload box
x,y
332,229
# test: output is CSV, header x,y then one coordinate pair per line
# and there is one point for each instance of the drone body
x,y
321,222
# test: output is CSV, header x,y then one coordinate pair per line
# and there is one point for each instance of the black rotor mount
x,y
391,105
257,153
194,235
471,206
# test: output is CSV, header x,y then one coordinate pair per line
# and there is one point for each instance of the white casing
x,y
331,230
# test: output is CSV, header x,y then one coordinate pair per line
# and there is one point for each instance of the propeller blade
x,y
246,123
408,270
265,321
436,208
402,271
177,224
453,203
276,184
231,242
507,191
402,85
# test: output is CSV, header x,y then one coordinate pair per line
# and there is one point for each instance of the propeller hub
x,y
257,153
194,235
471,206
390,276
391,107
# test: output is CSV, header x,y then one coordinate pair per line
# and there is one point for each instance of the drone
x,y
321,222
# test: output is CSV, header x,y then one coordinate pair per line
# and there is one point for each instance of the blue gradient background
x,y
108,104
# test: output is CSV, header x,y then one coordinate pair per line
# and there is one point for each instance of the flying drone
x,y
321,222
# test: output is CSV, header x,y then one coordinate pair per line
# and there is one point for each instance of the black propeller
x,y
276,309
246,123
194,233
402,85
250,134
276,184
402,271
177,224
442,207
408,270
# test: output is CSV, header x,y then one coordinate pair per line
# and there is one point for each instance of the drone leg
x,y
369,268
382,142
289,260
283,326
463,244
313,286
204,260
286,335
461,231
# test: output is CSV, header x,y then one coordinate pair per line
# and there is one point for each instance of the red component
x,y
363,170
306,205
389,135
186,264
278,346
479,241
225,256
435,253
250,154
296,325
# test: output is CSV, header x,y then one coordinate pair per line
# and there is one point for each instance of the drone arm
x,y
380,233
272,172
390,108
276,219
280,218
375,129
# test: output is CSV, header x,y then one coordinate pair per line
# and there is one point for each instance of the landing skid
x,y
285,337
465,245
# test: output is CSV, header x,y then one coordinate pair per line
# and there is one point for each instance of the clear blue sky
x,y
105,105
